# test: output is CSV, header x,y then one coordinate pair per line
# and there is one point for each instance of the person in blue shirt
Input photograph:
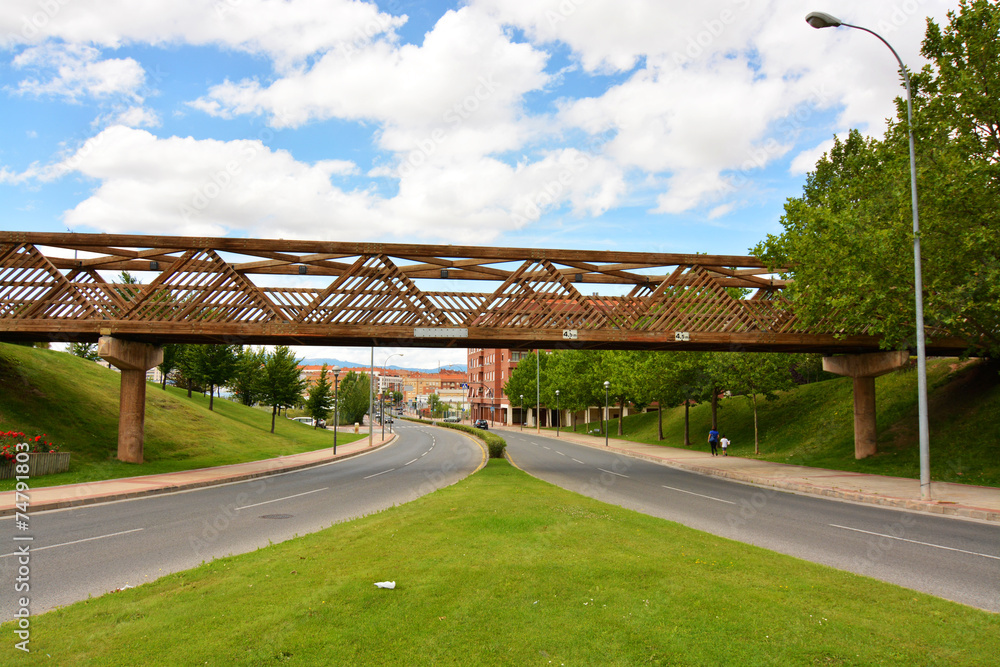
x,y
713,439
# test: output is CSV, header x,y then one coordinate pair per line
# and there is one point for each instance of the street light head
x,y
822,20
557,392
607,384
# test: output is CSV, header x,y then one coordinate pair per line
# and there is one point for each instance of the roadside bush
x,y
494,442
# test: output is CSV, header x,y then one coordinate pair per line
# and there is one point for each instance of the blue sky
x,y
598,124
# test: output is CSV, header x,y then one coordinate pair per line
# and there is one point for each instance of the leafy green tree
x,y
247,383
677,378
215,366
170,353
572,372
187,371
354,397
849,236
435,405
757,374
282,381
86,351
522,381
320,401
624,369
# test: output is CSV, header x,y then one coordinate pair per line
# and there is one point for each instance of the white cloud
x,y
287,31
806,161
136,116
75,71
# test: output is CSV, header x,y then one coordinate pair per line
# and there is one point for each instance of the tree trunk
x,y
756,444
189,387
659,421
274,409
211,397
687,423
163,382
621,413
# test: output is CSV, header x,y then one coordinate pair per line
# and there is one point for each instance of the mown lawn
x,y
504,569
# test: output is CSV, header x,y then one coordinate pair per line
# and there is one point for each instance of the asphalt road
x,y
91,550
947,557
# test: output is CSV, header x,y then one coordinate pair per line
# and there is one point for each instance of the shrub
x,y
10,439
494,442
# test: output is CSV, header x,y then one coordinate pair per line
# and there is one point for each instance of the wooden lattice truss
x,y
69,287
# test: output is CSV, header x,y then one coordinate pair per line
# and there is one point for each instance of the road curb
x,y
928,507
141,493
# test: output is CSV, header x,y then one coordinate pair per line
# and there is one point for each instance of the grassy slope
x,y
501,569
75,402
814,425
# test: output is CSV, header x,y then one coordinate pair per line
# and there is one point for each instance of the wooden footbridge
x,y
69,287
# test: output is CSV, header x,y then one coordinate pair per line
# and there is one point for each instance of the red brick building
x,y
488,371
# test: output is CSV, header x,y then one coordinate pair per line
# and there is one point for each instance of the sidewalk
x,y
87,493
975,502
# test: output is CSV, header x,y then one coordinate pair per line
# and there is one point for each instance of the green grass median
x,y
505,569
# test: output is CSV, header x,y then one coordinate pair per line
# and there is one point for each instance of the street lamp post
x,y
822,20
382,393
607,417
522,413
558,414
336,406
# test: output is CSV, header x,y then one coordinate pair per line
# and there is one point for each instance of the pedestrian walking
x,y
724,443
713,440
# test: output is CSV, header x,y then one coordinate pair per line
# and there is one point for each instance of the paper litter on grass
x,y
385,584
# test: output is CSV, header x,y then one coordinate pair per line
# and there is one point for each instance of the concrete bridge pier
x,y
864,368
133,360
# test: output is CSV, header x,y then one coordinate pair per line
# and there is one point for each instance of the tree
x,y
572,373
171,351
849,236
354,397
753,374
434,405
247,383
320,401
677,378
623,368
86,351
282,382
187,369
214,365
522,381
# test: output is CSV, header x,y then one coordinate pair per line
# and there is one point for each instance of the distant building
x,y
488,371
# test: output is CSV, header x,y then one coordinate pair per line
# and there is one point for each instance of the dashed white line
x,y
285,498
86,539
577,460
728,502
613,473
926,544
413,461
378,473
560,453
545,447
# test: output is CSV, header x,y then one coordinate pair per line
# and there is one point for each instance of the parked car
x,y
481,423
308,421
453,420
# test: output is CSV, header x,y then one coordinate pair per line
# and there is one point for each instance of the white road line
x,y
86,539
560,453
425,453
577,460
544,446
613,473
285,498
378,473
926,544
413,461
729,502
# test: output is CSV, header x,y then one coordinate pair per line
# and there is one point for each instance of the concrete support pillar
x,y
133,360
864,368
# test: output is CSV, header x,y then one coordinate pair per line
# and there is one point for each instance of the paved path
x,y
71,495
976,502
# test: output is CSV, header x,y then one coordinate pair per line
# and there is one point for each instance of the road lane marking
x,y
926,544
560,453
611,472
544,446
86,539
413,461
378,473
285,498
577,460
728,502
425,453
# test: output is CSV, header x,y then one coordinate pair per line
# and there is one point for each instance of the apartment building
x,y
488,371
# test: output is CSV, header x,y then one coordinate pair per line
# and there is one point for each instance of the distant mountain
x,y
353,364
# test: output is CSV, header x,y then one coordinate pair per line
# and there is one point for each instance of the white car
x,y
308,421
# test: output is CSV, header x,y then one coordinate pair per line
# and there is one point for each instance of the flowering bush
x,y
36,445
